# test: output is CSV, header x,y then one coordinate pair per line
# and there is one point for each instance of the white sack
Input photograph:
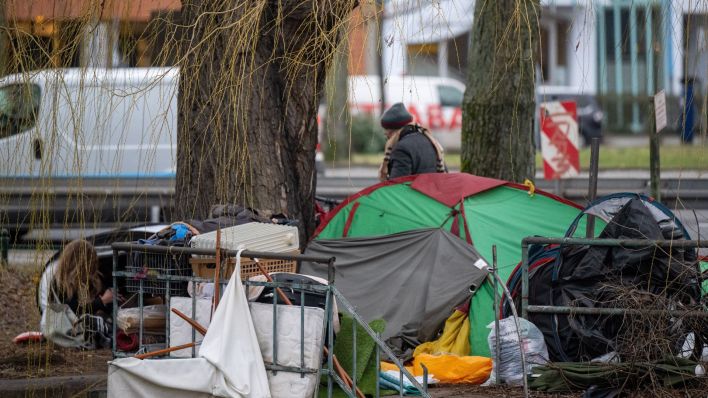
x,y
181,331
289,384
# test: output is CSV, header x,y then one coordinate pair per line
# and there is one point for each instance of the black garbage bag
x,y
590,276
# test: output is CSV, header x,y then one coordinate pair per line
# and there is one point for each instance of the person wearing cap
x,y
410,148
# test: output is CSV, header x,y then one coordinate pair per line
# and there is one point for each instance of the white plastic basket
x,y
252,236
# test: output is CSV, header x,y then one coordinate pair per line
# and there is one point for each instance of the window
x,y
19,105
621,39
422,59
457,53
450,96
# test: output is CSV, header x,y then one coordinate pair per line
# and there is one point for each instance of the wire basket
x,y
149,266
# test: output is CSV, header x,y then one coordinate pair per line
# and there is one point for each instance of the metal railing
x,y
329,291
624,243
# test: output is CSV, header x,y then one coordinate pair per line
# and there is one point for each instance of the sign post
x,y
657,105
559,140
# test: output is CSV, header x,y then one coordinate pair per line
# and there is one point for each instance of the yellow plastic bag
x,y
455,338
389,366
453,368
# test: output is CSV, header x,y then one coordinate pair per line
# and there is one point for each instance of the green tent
x,y
494,212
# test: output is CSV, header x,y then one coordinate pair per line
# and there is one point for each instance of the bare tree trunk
x,y
250,81
337,123
4,53
499,104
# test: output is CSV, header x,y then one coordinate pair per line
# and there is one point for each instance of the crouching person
x,y
79,308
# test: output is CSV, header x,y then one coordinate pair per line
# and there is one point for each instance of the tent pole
x,y
654,158
496,314
524,249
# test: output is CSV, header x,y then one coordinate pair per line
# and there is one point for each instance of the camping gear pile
x,y
601,277
413,258
248,319
484,212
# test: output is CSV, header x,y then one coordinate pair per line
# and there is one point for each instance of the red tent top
x,y
446,188
451,188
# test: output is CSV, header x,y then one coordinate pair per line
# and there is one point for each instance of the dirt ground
x,y
470,391
19,313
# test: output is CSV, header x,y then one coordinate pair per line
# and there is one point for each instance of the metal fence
x,y
623,243
330,292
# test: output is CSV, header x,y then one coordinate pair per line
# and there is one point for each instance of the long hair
x,y
78,273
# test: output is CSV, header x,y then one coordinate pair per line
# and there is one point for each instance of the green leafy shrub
x,y
366,135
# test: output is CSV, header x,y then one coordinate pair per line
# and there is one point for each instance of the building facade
x,y
71,33
621,51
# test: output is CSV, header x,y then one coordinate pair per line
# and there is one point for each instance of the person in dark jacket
x,y
410,148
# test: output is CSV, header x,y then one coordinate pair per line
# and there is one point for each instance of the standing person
x,y
410,148
687,119
77,284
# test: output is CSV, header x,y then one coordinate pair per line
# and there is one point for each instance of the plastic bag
x,y
455,338
454,368
509,361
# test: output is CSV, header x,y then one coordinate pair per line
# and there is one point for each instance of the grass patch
x,y
672,158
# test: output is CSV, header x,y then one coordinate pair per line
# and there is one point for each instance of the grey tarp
x,y
413,280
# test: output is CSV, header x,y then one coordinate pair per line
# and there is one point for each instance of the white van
x,y
89,122
435,102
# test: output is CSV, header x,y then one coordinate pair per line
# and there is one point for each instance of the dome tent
x,y
482,211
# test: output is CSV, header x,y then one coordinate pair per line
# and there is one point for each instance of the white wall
x,y
420,21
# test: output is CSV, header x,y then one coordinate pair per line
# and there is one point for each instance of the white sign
x,y
660,110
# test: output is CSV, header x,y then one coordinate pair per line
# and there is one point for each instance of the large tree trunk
x,y
499,104
250,83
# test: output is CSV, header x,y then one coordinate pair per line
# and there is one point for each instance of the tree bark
x,y
499,103
251,76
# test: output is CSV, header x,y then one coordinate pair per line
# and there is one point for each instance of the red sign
x,y
559,140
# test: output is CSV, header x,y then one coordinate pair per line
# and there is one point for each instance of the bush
x,y
366,135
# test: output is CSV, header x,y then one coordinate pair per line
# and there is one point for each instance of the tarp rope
x,y
455,228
